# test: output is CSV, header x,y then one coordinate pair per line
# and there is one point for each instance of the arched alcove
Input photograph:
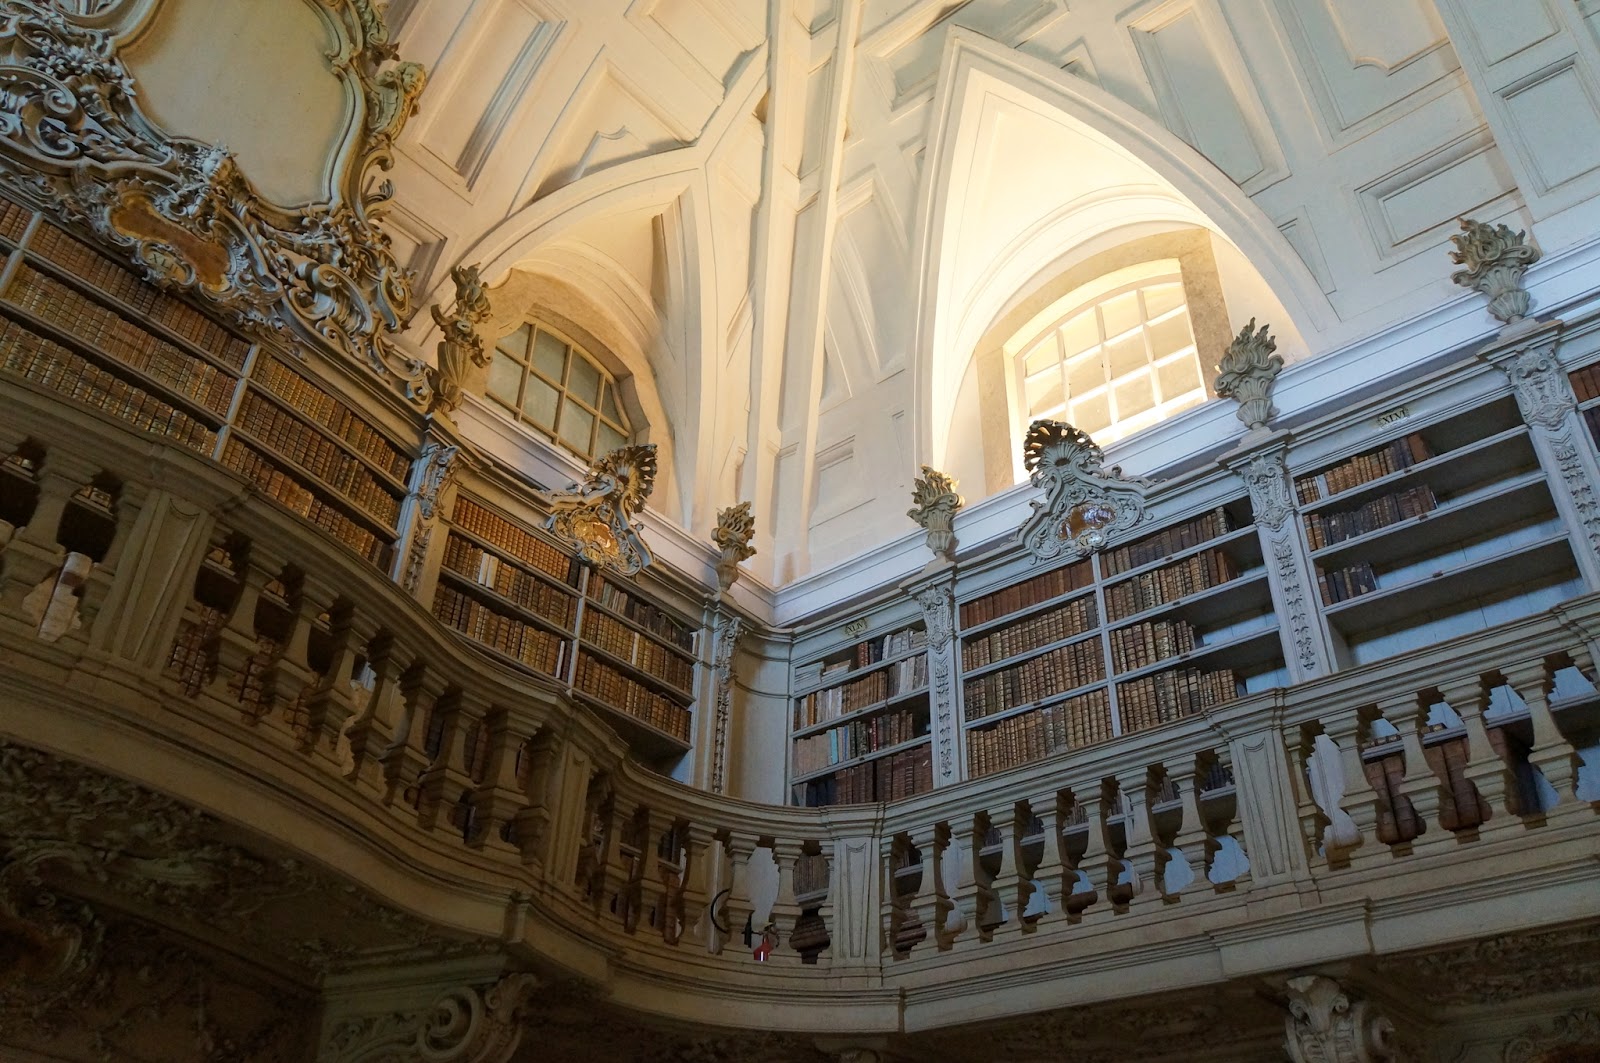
x,y
1029,166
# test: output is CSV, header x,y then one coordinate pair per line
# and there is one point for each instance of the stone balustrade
x,y
212,646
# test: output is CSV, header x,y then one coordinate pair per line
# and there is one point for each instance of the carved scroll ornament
x,y
460,347
75,142
1325,1026
596,516
1084,504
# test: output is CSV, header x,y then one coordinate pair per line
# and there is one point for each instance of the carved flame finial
x,y
596,515
736,526
460,347
1246,374
934,504
1495,259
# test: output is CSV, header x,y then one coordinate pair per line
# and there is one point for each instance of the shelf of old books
x,y
1439,530
518,594
75,322
860,725
1586,387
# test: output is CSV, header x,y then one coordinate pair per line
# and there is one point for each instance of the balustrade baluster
x,y
1095,861
542,770
1550,751
785,908
739,908
407,756
1049,876
966,838
699,851
1485,769
332,700
371,731
1139,842
498,797
1419,785
1192,839
1297,748
236,640
929,903
1007,886
1360,801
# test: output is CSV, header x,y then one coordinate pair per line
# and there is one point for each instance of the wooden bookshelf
x,y
860,722
532,602
1167,624
1434,531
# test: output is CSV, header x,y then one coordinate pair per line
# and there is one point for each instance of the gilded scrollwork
x,y
75,141
1085,504
597,516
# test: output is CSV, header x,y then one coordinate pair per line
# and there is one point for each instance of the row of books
x,y
1345,583
1585,382
893,644
92,268
1029,592
1074,618
1154,640
1166,543
13,220
1035,679
533,646
315,404
50,365
520,544
520,587
820,706
1591,419
858,738
1198,572
646,614
290,493
1172,695
599,680
892,778
811,873
291,438
1070,724
1325,529
107,332
624,642
1400,454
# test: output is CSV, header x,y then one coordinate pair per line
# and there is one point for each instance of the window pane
x,y
1043,356
505,376
608,405
1170,335
1079,334
1178,376
1091,415
1044,394
1159,298
610,439
539,403
1121,313
584,380
516,344
1126,355
549,356
1134,396
1086,374
577,424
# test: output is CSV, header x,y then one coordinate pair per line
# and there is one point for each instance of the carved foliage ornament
x,y
1494,259
75,142
596,516
464,1025
937,601
1325,1026
729,628
1246,374
934,504
1084,504
736,526
460,347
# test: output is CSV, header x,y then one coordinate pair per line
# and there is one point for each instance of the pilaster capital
x,y
1325,1025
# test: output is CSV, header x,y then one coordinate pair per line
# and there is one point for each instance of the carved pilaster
x,y
431,474
938,604
726,630
934,504
1325,1025
1306,646
1560,439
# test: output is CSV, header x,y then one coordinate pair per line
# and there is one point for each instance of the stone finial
x,y
1324,1024
1495,259
934,504
460,348
1246,373
735,528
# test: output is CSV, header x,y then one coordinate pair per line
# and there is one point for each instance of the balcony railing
x,y
182,612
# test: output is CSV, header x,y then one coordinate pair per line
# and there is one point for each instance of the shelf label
x,y
1399,413
855,627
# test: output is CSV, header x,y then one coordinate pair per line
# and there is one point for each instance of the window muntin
x,y
550,383
1117,366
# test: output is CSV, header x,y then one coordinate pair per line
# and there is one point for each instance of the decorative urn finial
x,y
735,528
1495,259
1246,374
934,504
460,348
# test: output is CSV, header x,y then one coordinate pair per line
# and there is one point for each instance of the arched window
x,y
549,382
1113,356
